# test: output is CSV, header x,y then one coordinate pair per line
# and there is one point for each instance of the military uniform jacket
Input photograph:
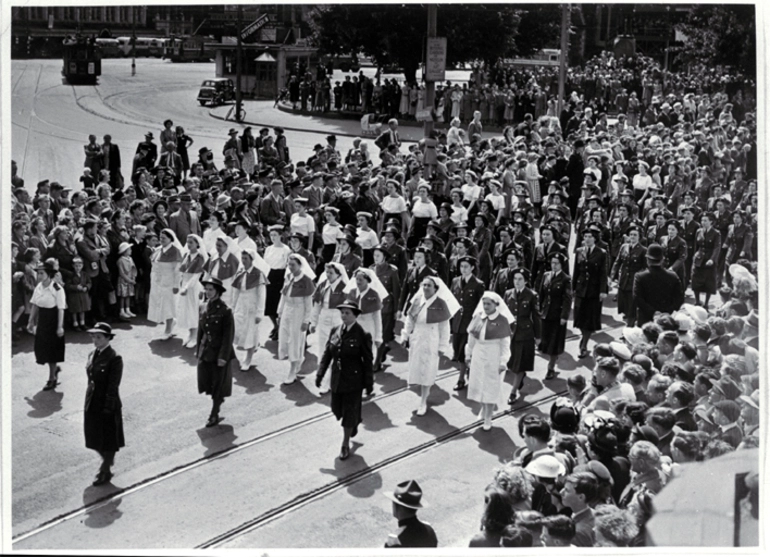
x,y
590,278
388,275
105,372
689,232
630,261
412,284
542,260
739,239
619,231
707,245
350,355
675,253
524,243
555,295
350,261
215,333
502,281
655,234
523,306
469,296
412,533
397,256
656,289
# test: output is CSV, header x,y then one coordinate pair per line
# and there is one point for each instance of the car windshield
x,y
209,84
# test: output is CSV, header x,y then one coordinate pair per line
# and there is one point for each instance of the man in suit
x,y
216,329
93,249
171,159
656,289
271,209
349,351
631,260
414,277
468,290
389,137
111,158
185,221
679,396
149,150
411,531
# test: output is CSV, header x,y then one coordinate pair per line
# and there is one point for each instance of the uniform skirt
x,y
104,432
553,337
49,348
417,232
588,314
214,380
273,291
347,407
522,356
626,302
704,279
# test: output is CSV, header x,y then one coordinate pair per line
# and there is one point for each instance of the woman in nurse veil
x,y
427,331
367,292
249,286
329,293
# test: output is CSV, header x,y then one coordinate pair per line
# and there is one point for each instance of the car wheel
x,y
203,103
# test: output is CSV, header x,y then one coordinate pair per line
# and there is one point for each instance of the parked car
x,y
216,91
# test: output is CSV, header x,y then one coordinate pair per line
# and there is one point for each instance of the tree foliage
x,y
721,34
395,34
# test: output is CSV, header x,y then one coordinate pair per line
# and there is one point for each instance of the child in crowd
x,y
126,280
77,287
86,179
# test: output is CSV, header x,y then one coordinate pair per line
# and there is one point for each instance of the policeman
x,y
407,500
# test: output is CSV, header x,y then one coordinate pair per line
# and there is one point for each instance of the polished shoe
x,y
460,385
583,354
50,385
344,452
324,392
213,420
512,399
102,478
551,374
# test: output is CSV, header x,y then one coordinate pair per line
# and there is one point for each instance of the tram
x,y
82,60
188,49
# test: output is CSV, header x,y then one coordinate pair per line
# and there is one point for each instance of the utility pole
x,y
238,97
566,18
133,41
430,89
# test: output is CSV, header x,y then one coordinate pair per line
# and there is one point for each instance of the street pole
x,y
430,86
565,25
133,41
238,98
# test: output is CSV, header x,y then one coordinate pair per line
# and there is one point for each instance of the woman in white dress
x,y
164,281
329,293
242,239
489,349
366,237
403,107
190,288
427,331
368,293
277,257
223,264
295,310
249,303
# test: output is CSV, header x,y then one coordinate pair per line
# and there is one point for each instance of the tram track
x,y
29,122
281,431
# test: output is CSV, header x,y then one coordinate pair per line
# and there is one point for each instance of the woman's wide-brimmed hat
x,y
352,306
102,328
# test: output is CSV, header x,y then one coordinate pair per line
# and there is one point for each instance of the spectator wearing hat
x,y
127,274
708,242
726,414
525,331
555,297
545,468
750,413
656,289
165,282
630,261
147,151
232,148
103,417
407,500
93,249
77,287
590,286
468,290
349,351
46,320
215,351
185,220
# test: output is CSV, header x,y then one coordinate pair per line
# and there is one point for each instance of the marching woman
x,y
525,329
190,288
164,281
249,303
427,332
738,242
489,349
46,321
103,417
367,292
346,243
349,351
277,257
223,263
555,296
295,310
366,237
215,348
675,250
589,284
329,294
708,241
423,211
214,231
467,290
388,276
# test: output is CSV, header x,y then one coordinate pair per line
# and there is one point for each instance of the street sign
x,y
435,59
254,26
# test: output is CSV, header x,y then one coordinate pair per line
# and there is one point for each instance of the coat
x,y
183,227
469,296
350,355
524,308
590,277
630,261
541,262
675,255
216,330
103,420
412,533
555,295
656,289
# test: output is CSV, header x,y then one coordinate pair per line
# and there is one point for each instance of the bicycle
x,y
236,117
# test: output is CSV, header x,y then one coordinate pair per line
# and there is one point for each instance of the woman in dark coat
x,y
63,250
708,242
589,284
216,329
349,351
555,296
675,250
388,275
103,420
525,330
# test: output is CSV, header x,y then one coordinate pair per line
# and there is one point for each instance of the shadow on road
x,y
253,381
389,382
362,489
432,422
172,348
217,438
496,441
103,515
44,404
375,419
298,393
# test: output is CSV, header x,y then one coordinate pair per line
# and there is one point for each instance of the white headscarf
x,y
502,307
257,261
201,245
305,267
231,248
442,292
174,241
340,269
374,283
